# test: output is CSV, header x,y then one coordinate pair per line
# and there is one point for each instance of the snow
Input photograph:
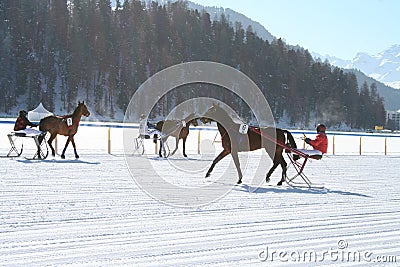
x,y
92,212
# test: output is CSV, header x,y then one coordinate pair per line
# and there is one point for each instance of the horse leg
x,y
162,148
235,157
65,147
284,168
221,155
52,137
184,147
73,144
267,178
176,145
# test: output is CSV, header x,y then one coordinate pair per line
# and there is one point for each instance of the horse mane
x,y
220,115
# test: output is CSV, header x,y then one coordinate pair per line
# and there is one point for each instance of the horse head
x,y
205,120
192,119
82,109
216,113
194,122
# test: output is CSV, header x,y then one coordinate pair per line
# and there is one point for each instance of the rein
x,y
66,117
178,124
63,119
55,126
182,123
266,136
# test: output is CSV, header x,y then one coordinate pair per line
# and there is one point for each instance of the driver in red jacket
x,y
321,141
22,121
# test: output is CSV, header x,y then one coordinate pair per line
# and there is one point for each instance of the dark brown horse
x,y
178,129
233,141
65,125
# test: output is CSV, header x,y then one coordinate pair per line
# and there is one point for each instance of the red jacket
x,y
21,123
320,143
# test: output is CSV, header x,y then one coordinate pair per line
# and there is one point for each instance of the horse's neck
x,y
77,119
190,122
226,119
221,128
76,116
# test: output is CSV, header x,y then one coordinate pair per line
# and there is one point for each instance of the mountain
x,y
391,96
216,12
105,65
232,15
383,67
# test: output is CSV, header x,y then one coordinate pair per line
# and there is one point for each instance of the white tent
x,y
38,113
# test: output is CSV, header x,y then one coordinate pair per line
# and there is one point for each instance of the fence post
x,y
109,140
385,146
333,144
360,144
198,142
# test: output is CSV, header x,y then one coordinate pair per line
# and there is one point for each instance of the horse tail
x,y
292,143
290,138
41,127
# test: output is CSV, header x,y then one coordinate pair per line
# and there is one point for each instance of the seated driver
x,y
320,143
146,129
21,123
21,130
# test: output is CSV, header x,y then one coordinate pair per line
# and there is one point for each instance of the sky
x,y
339,28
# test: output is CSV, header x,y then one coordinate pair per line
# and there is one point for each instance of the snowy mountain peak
x,y
394,51
383,67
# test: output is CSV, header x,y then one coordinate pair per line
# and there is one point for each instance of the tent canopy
x,y
38,113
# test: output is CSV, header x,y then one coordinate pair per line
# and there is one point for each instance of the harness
x,y
242,134
68,120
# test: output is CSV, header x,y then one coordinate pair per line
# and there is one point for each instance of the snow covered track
x,y
90,212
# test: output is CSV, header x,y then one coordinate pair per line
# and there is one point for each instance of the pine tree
x,y
90,51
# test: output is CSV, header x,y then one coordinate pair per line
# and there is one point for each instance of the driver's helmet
x,y
321,128
23,112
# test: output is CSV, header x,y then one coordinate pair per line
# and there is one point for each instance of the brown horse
x,y
65,125
178,129
233,142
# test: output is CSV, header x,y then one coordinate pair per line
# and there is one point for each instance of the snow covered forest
x,y
61,52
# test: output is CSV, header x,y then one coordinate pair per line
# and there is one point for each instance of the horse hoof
x,y
63,156
207,175
77,157
267,179
239,182
185,155
279,183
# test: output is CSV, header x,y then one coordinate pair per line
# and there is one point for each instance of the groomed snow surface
x,y
92,212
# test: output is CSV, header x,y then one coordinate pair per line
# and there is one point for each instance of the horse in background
x,y
178,129
64,125
232,145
